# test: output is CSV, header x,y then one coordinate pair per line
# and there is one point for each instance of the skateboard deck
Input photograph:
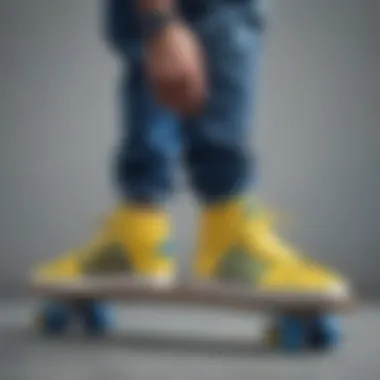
x,y
300,322
209,294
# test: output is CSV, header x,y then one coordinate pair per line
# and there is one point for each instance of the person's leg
x,y
144,174
136,236
235,241
216,144
148,144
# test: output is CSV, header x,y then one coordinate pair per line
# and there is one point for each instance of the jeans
x,y
214,147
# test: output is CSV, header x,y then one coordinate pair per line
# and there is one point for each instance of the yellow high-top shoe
x,y
236,244
133,241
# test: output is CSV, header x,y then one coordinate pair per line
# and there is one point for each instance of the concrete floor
x,y
155,343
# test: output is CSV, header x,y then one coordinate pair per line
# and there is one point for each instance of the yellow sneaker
x,y
237,244
133,241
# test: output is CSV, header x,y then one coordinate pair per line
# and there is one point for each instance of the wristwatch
x,y
153,22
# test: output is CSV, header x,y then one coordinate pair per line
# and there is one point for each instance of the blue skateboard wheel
x,y
291,334
97,316
54,318
324,332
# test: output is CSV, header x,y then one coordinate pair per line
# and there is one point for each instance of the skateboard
x,y
297,322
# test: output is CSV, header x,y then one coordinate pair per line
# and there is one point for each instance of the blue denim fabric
x,y
122,22
214,146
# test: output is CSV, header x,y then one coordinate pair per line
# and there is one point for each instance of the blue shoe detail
x,y
167,248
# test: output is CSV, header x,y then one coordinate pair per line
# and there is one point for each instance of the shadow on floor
x,y
143,342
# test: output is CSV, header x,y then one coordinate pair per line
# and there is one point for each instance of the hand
x,y
176,70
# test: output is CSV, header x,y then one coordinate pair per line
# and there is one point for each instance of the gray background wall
x,y
318,131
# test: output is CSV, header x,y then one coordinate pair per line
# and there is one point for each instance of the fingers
x,y
184,94
175,70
